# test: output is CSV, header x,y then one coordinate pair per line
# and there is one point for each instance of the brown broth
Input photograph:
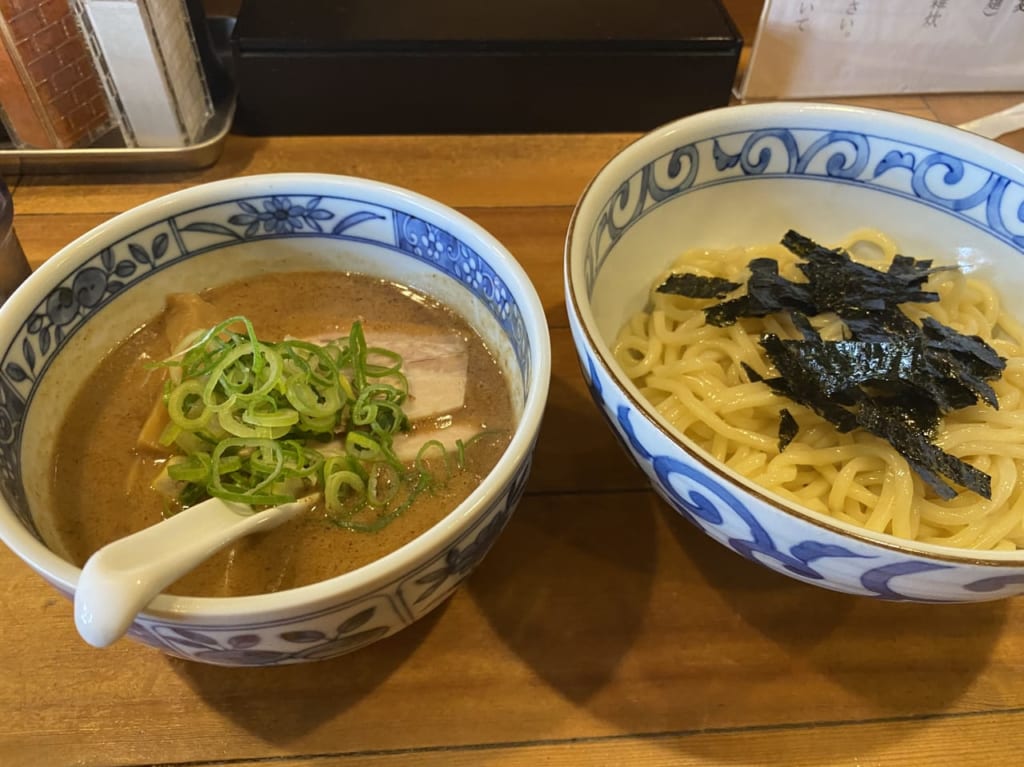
x,y
101,480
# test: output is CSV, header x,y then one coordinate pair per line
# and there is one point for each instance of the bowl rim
x,y
279,606
694,125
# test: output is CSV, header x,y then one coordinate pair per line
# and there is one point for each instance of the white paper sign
x,y
812,48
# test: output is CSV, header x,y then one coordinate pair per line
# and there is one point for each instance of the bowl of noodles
x,y
255,341
800,322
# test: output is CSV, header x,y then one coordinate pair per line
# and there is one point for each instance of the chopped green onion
x,y
247,414
339,487
191,469
424,461
185,406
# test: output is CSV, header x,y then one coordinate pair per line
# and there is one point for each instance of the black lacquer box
x,y
475,66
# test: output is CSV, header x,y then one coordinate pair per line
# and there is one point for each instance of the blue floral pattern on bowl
x,y
345,627
100,279
200,237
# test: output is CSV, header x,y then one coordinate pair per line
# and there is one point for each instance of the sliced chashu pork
x,y
435,364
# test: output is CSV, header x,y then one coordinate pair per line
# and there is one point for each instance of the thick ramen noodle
x,y
692,373
105,470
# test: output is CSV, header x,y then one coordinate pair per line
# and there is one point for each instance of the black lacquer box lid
x,y
401,66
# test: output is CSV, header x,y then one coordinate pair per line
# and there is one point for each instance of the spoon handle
x,y
123,577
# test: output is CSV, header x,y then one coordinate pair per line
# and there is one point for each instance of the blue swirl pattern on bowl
x,y
978,195
747,522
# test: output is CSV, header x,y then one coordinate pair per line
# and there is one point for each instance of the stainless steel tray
x,y
122,159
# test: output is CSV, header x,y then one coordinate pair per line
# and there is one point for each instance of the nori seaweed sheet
x,y
890,376
697,286
788,428
767,293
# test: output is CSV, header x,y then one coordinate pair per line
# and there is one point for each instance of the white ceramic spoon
x,y
123,577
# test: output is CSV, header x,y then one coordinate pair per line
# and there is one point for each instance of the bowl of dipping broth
x,y
262,338
801,321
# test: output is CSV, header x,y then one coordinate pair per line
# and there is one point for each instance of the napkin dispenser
x,y
467,66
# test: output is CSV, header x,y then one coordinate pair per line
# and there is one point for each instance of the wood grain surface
x,y
601,630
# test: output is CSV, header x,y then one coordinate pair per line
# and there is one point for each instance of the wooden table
x,y
601,630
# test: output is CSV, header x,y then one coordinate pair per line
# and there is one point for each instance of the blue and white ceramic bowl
x,y
743,175
102,286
